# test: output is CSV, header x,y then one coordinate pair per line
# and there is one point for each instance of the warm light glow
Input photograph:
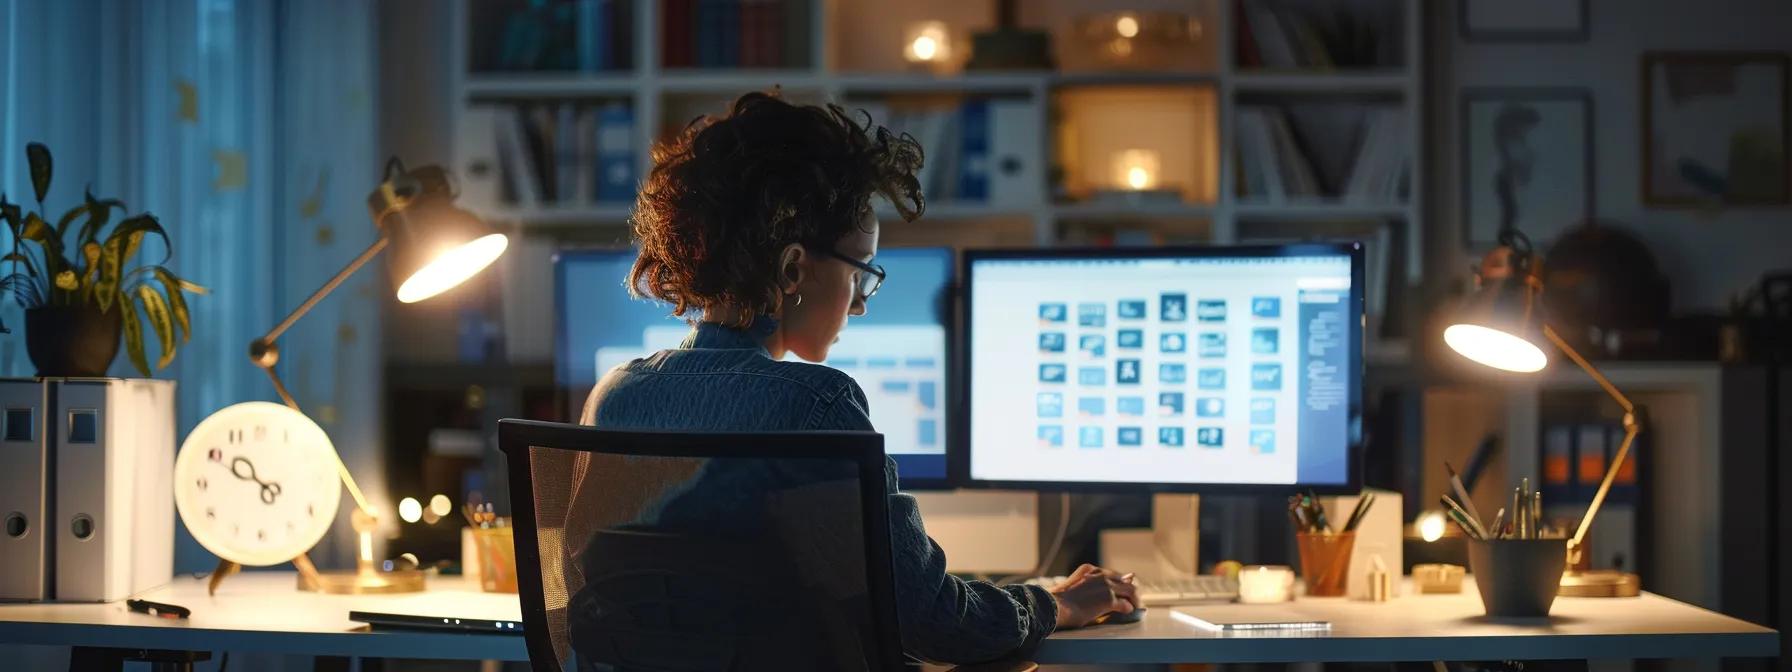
x,y
441,505
367,547
926,42
1495,348
452,268
1127,26
409,510
1431,525
1136,169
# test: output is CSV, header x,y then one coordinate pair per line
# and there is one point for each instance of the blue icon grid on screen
x,y
1170,404
1129,437
1051,436
1093,345
1265,341
1132,309
1211,310
1169,373
1051,405
1263,441
1133,407
1052,312
1092,314
1266,377
1169,437
1088,437
1210,407
1051,373
1266,307
1211,379
1263,411
1210,437
1091,407
1051,342
1173,307
1174,341
1212,345
1091,376
1130,339
1126,372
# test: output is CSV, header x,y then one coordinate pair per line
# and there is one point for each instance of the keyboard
x,y
1169,592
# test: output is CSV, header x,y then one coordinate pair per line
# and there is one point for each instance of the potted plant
x,y
79,288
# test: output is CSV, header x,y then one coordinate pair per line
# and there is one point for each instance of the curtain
x,y
248,128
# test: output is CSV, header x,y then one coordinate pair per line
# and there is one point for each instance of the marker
x,y
158,609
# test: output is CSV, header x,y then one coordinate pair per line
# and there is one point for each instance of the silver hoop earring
x,y
799,299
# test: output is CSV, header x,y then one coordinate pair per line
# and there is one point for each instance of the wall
x,y
1708,257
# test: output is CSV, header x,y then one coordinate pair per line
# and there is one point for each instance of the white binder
x,y
24,493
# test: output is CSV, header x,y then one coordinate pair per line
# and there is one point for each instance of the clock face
x,y
257,484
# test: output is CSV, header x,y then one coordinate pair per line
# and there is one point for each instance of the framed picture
x,y
1527,162
1714,128
1524,20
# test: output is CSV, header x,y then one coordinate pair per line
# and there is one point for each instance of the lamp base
x,y
356,582
1599,583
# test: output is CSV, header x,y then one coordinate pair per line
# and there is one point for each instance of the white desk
x,y
260,612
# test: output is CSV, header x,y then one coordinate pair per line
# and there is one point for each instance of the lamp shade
x,y
432,245
1501,325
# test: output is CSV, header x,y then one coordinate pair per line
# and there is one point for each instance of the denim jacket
x,y
722,379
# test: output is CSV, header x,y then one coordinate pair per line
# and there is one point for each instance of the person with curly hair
x,y
758,226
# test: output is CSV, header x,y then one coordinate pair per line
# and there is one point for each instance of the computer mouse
x,y
1117,618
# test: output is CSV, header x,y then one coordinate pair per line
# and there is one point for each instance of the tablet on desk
x,y
1264,620
454,611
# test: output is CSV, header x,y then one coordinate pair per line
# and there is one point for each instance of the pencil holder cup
x,y
1518,578
1325,562
497,559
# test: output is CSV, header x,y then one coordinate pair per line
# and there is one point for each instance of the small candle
x,y
1265,584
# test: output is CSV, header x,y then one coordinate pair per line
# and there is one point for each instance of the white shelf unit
x,y
1227,218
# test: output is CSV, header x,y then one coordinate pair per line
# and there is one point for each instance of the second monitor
x,y
1191,369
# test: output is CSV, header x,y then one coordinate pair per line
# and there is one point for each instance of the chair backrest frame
x,y
865,450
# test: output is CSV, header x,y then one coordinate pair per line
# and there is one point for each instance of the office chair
x,y
623,563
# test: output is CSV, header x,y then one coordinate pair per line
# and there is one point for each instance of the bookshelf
x,y
848,51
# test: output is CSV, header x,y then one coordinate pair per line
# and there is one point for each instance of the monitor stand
x,y
1169,550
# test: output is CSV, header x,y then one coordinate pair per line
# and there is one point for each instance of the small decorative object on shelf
x,y
1138,40
928,45
79,296
1009,46
1136,176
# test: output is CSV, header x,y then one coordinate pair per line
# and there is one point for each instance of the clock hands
x,y
269,489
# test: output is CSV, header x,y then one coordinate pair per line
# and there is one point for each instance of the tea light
x,y
927,43
1136,169
1265,584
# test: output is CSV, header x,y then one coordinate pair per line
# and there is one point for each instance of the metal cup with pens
x,y
1324,552
1517,562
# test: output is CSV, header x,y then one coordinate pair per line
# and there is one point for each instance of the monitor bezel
x,y
948,313
960,459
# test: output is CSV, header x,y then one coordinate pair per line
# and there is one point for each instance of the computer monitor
x,y
897,350
1210,369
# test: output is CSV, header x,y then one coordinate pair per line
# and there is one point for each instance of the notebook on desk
x,y
1273,620
446,610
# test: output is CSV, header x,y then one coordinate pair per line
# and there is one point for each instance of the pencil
x,y
1468,505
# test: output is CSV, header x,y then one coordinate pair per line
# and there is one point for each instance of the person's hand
x,y
1090,593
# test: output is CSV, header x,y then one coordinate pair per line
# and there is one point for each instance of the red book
x,y
675,33
773,32
1248,55
749,34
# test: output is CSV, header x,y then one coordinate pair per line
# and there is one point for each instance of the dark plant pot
x,y
73,342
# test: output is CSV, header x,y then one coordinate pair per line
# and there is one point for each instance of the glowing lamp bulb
x,y
1136,169
1431,525
925,42
410,510
441,505
1127,26
925,48
1495,348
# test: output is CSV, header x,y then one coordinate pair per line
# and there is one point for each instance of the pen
x,y
1499,524
158,609
1537,513
1462,521
1468,505
1474,526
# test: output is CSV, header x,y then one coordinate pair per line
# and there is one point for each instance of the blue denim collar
x,y
716,336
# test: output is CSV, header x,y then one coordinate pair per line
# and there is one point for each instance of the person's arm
x,y
944,618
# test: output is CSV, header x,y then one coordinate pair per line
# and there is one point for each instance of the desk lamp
x,y
254,481
1500,327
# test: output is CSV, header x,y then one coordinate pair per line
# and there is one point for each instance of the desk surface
x,y
261,612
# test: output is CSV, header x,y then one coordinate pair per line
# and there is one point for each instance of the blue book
x,y
973,159
615,153
593,32
1558,465
728,25
707,35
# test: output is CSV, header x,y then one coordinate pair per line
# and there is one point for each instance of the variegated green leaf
x,y
156,309
98,214
111,271
177,303
138,224
133,335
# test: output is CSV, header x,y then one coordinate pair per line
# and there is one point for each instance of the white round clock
x,y
257,484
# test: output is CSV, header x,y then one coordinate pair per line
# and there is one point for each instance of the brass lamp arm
x,y
1630,432
265,354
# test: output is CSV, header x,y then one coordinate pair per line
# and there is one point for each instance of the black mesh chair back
x,y
678,552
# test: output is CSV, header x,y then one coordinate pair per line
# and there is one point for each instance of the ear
x,y
793,263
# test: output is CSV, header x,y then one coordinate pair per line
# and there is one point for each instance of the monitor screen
x,y
1200,369
896,351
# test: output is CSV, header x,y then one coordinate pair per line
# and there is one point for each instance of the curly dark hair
x,y
729,192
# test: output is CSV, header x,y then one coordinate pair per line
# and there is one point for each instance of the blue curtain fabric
x,y
248,127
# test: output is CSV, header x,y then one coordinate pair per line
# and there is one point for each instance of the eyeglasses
x,y
871,276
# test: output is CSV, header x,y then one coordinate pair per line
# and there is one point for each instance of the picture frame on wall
x,y
1526,161
1715,130
1524,21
